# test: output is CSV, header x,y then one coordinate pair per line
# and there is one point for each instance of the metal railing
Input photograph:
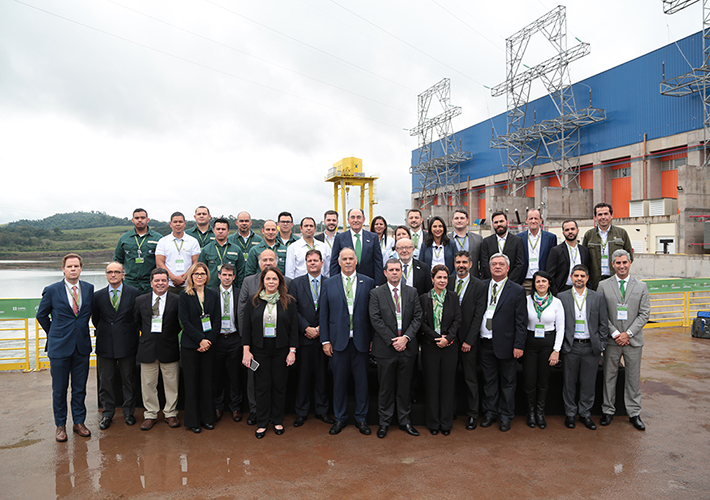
x,y
15,362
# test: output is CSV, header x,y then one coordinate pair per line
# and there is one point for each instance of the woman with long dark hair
x,y
379,227
438,249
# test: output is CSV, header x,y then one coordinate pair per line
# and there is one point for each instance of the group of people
x,y
216,302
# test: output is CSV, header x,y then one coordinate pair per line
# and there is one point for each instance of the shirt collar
x,y
626,280
393,287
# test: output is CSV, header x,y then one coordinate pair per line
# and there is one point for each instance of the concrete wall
x,y
561,204
671,266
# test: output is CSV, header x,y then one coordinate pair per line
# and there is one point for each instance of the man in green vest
x,y
202,231
602,241
136,251
271,242
221,252
245,239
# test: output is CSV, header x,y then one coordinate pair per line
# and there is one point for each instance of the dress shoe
x,y
147,424
130,420
636,422
364,428
471,423
382,431
337,427
81,430
196,430
531,420
504,426
487,421
252,419
588,423
260,434
569,422
325,418
540,420
606,419
409,429
209,427
278,431
173,422
218,415
61,435
434,432
237,416
445,432
105,423
299,421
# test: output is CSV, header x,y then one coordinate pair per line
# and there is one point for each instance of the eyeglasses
x,y
285,222
410,247
199,275
114,272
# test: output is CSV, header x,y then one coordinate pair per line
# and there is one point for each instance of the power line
x,y
201,65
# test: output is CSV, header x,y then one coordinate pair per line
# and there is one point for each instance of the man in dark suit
x,y
415,223
116,344
586,334
156,315
502,242
414,273
346,336
472,299
466,240
537,244
68,347
395,315
502,341
366,246
312,362
228,372
565,256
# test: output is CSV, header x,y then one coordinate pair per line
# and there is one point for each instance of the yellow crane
x,y
346,173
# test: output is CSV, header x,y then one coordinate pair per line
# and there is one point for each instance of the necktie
x,y
358,247
349,292
74,300
404,276
415,240
459,287
489,321
225,296
156,307
316,294
114,299
398,308
622,289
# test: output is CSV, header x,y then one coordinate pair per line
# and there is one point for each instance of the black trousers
x,y
312,373
469,363
270,382
498,383
395,377
536,361
228,373
197,368
109,369
439,370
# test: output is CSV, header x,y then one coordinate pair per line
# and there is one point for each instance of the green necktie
x,y
622,289
459,287
415,240
114,299
156,307
225,296
489,321
349,294
358,247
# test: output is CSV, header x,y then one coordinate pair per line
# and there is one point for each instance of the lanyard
x,y
573,255
604,240
464,245
537,241
494,295
437,251
315,290
580,306
199,235
179,249
408,271
221,257
243,244
201,302
270,310
139,245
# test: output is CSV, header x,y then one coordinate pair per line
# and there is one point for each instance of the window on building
x,y
673,164
621,172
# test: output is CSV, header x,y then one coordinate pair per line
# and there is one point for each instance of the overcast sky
x,y
110,105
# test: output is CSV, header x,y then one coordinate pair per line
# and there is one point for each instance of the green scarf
x,y
270,298
541,303
438,308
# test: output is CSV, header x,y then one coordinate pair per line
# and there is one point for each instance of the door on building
x,y
665,244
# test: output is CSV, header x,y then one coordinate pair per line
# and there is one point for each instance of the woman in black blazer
x,y
270,337
438,247
199,313
440,324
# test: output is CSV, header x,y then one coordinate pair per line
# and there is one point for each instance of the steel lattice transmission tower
x,y
555,140
438,175
697,80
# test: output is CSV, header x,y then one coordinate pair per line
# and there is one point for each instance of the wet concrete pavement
x,y
669,460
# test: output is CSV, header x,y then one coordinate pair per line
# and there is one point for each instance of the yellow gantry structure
x,y
346,173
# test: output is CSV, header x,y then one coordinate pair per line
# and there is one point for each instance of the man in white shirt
x,y
414,221
536,244
296,253
414,272
586,334
177,252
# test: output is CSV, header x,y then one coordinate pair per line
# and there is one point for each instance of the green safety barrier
x,y
678,285
18,308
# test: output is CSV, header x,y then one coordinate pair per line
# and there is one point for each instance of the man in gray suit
x,y
586,334
466,240
629,308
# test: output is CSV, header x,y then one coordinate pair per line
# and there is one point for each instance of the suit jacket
x,y
308,314
558,263
383,317
250,286
370,264
116,330
596,320
335,317
473,307
547,241
65,330
510,319
286,324
450,318
426,255
617,239
513,249
473,247
637,299
163,346
189,312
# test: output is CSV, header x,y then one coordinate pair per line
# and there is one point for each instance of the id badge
x,y
490,311
622,313
139,260
539,331
226,323
156,324
180,265
246,255
399,321
269,330
206,325
351,308
579,325
532,259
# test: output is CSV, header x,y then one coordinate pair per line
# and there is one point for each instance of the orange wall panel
x,y
586,179
620,196
669,183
